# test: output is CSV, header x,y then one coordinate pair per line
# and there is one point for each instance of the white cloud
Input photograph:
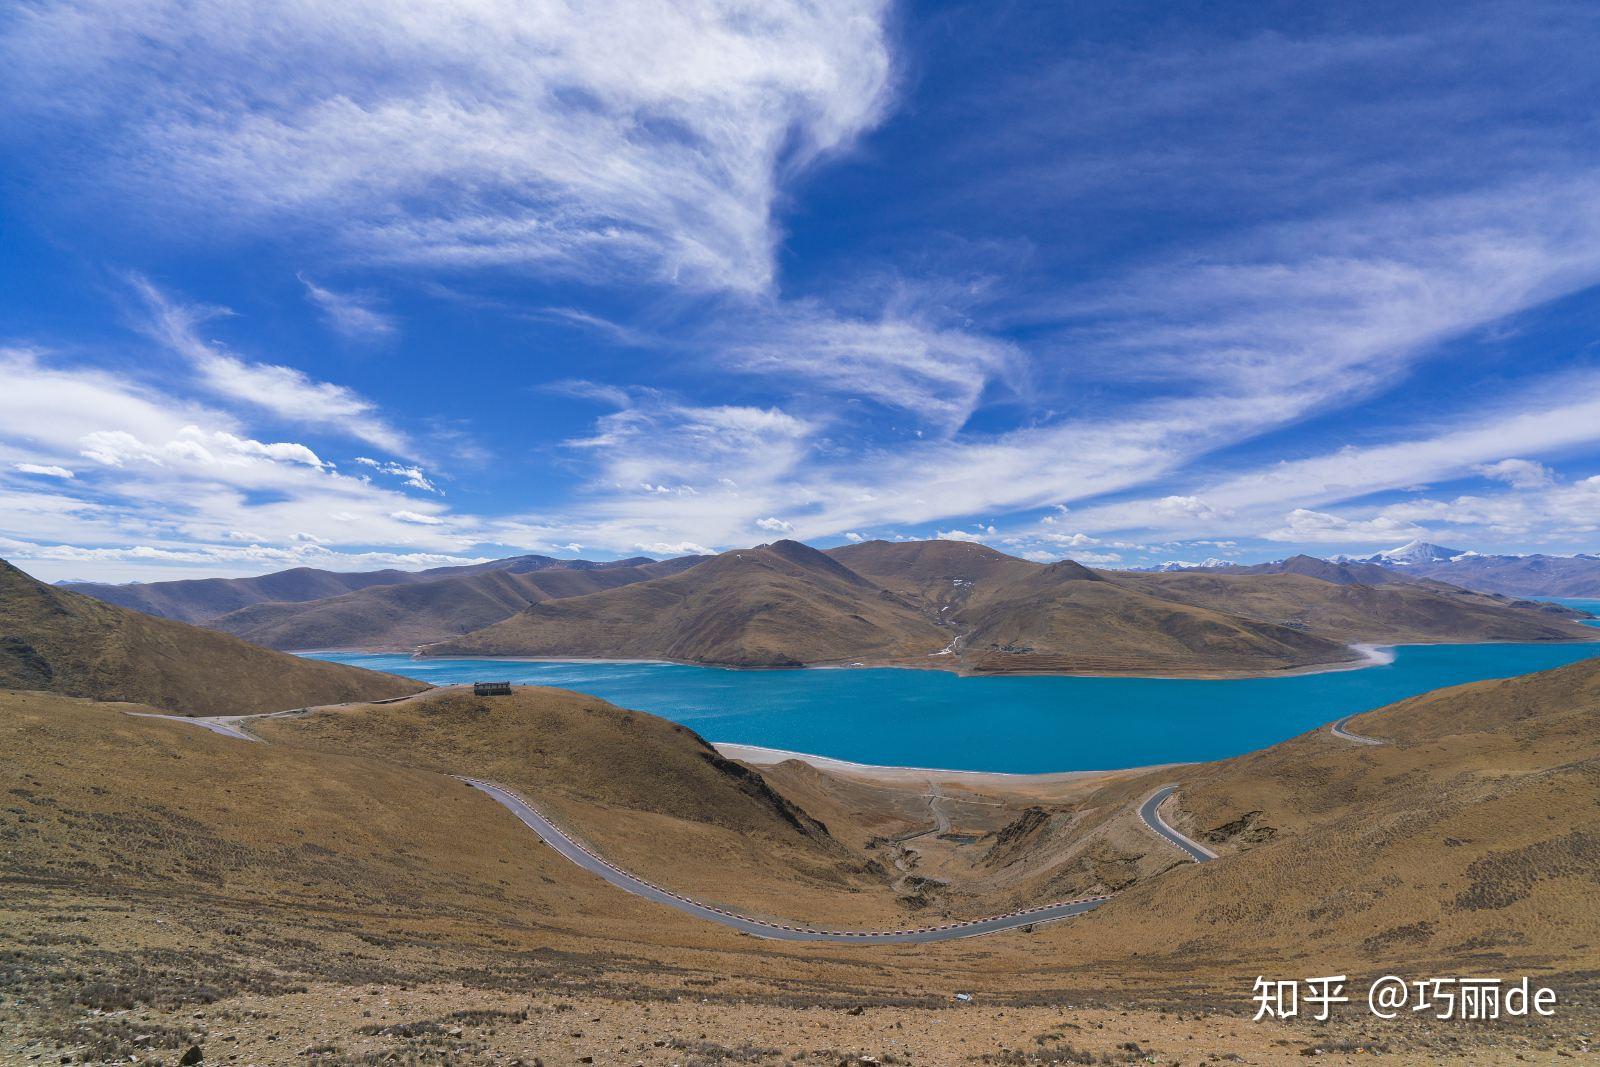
x,y
1304,525
1075,540
1518,473
284,391
110,562
982,533
775,525
853,537
46,470
594,139
1557,415
171,477
1191,507
902,359
1094,558
679,548
413,476
194,447
405,515
349,314
1327,309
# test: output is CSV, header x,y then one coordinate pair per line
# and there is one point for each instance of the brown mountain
x,y
1017,615
55,640
1402,612
1535,575
1014,615
1066,617
199,600
1340,572
782,604
400,617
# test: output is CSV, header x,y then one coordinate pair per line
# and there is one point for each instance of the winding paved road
x,y
591,861
1150,815
1338,730
216,726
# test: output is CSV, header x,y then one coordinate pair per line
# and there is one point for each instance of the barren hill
x,y
1067,617
1391,613
930,570
629,783
782,604
59,641
199,600
1534,575
400,617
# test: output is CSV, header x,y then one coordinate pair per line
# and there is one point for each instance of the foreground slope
x,y
782,604
1467,840
336,889
399,617
59,641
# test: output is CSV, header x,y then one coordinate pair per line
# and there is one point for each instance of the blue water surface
x,y
925,718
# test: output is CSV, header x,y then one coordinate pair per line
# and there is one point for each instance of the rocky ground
x,y
435,1023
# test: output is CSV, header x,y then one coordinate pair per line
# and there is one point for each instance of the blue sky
x,y
386,283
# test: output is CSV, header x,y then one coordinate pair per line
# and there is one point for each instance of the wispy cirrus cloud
x,y
284,391
352,315
595,141
44,470
903,358
1295,499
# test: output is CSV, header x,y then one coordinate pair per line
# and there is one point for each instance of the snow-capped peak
x,y
1415,552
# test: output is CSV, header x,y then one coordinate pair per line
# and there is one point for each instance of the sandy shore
x,y
1371,656
757,756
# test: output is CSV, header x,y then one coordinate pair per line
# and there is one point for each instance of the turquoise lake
x,y
913,718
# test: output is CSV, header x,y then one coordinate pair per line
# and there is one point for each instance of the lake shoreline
x,y
1370,655
914,721
761,756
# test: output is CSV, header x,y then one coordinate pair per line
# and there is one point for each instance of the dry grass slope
x,y
62,642
1468,841
151,863
638,787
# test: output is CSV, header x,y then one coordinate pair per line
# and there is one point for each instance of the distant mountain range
x,y
1518,576
203,599
943,604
